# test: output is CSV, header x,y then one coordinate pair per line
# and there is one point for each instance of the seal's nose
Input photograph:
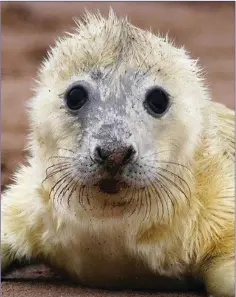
x,y
114,158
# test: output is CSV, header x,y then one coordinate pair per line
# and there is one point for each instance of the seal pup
x,y
130,173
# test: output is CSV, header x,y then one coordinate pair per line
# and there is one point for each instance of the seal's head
x,y
116,119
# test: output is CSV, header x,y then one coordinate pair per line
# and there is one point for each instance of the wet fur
x,y
184,227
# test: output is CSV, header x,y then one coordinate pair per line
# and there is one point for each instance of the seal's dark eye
x,y
156,102
76,97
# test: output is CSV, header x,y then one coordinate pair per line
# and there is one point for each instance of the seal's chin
x,y
111,185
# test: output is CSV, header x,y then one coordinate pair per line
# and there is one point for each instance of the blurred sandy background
x,y
28,28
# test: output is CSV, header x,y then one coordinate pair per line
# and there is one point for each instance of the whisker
x,y
65,189
89,194
180,178
60,183
71,192
133,190
54,172
56,166
174,174
148,71
126,194
66,149
61,157
175,185
156,154
167,191
147,204
160,199
172,163
82,189
143,62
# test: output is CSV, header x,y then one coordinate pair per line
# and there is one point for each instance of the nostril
x,y
100,154
129,154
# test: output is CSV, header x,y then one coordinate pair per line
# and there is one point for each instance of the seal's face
x,y
120,119
122,132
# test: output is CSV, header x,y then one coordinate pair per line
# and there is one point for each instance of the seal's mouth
x,y
111,185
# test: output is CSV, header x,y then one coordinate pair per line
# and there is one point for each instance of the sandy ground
x,y
28,28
